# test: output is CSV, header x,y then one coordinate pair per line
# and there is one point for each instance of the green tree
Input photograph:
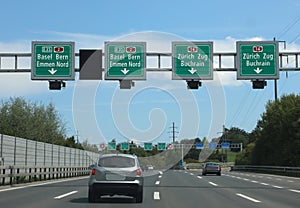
x,y
278,133
32,121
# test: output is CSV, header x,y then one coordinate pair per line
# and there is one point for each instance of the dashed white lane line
x,y
249,198
191,174
265,184
279,187
156,196
254,181
157,182
160,172
160,176
199,177
211,183
65,195
296,191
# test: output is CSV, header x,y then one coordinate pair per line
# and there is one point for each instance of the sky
x,y
99,111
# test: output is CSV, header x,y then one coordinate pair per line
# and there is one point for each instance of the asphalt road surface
x,y
172,188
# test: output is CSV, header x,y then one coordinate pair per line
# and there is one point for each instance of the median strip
x,y
249,198
65,195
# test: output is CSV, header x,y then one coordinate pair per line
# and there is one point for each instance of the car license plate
x,y
114,177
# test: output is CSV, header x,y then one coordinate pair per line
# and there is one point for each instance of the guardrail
x,y
11,174
281,170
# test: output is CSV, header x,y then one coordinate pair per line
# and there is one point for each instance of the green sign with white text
x,y
192,60
125,60
148,146
52,60
124,146
257,60
161,146
112,146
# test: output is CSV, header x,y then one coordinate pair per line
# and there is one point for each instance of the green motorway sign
x,y
148,146
112,146
52,60
161,146
125,146
192,60
257,60
125,60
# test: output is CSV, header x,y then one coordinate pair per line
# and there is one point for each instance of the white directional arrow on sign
x,y
258,70
125,71
52,71
192,71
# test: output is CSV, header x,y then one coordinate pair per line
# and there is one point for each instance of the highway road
x,y
172,188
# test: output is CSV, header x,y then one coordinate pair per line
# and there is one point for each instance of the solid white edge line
x,y
296,191
42,184
156,195
65,195
213,184
249,198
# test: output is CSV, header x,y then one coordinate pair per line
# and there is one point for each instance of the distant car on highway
x,y
116,174
211,168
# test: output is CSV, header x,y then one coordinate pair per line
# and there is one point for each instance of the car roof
x,y
117,155
212,163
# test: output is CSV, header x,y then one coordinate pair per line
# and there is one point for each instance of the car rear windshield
x,y
116,162
212,164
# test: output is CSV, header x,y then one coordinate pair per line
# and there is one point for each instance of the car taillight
x,y
138,172
93,171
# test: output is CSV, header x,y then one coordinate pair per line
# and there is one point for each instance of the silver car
x,y
211,167
116,174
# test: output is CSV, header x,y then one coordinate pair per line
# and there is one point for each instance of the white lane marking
x,y
160,176
278,179
254,181
65,195
157,182
191,174
290,181
199,177
293,190
246,179
211,183
265,184
160,172
279,187
249,198
42,184
156,196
